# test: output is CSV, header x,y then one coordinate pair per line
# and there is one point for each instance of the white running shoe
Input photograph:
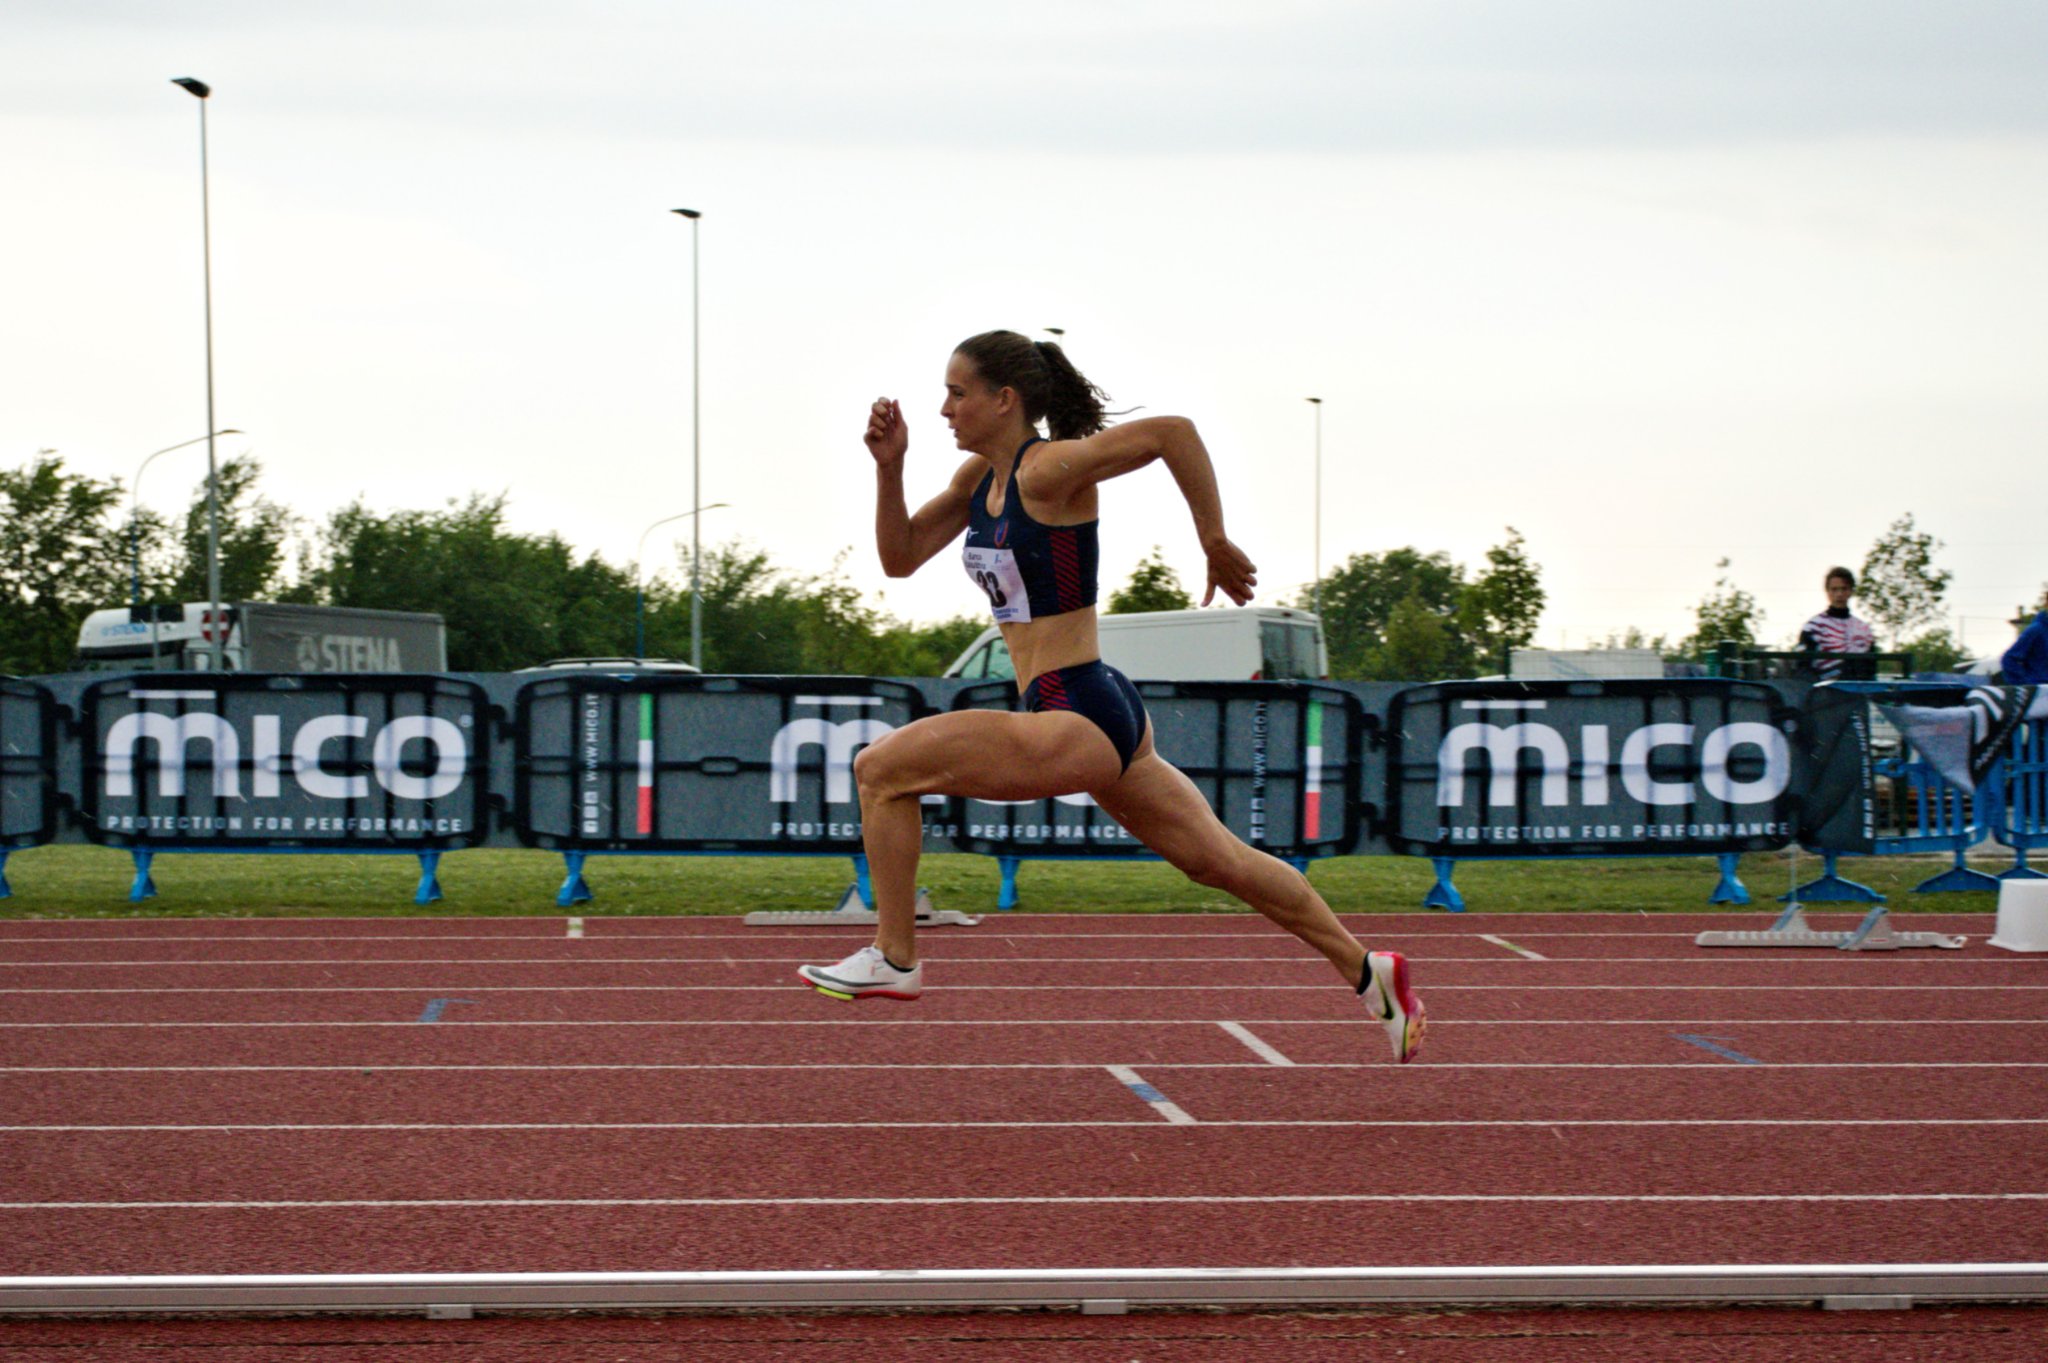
x,y
1385,991
866,974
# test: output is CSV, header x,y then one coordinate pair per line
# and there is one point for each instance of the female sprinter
x,y
1028,507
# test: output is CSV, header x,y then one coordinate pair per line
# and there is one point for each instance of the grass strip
x,y
92,882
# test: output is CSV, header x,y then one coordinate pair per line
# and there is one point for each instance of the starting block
x,y
854,912
1874,933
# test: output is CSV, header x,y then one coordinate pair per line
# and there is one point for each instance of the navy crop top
x,y
1028,570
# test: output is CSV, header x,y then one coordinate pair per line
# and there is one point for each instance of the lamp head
x,y
1317,401
690,213
198,88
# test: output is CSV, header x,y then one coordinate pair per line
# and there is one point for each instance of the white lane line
x,y
1430,988
575,929
1250,1038
1945,959
1159,1102
1523,952
1166,1109
1702,1065
1276,1199
864,1023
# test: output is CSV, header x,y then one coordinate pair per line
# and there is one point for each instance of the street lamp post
x,y
199,90
639,579
134,533
1318,590
696,462
135,512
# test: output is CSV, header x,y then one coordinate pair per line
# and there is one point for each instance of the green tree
x,y
253,531
61,557
1728,614
510,600
1935,651
1899,587
1154,586
1359,601
1500,609
1420,643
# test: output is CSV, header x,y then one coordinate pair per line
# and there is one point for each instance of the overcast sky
x,y
1653,283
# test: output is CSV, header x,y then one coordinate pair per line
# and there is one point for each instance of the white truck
x,y
261,636
1236,643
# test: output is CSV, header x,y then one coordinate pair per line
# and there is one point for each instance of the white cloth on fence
x,y
1962,741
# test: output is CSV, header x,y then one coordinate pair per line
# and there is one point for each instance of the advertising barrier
x,y
242,762
28,764
681,763
28,769
1277,761
1568,768
594,764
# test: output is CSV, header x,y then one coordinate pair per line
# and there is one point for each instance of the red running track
x,y
264,1096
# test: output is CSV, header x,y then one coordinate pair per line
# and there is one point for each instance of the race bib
x,y
995,572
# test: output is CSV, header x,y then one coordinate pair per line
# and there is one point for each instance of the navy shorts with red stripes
x,y
1098,693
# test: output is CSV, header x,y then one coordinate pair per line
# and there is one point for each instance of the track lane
x,y
1183,1162
1179,1235
851,1037
824,1094
1131,1001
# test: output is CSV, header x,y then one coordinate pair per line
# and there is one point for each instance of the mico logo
x,y
1503,745
174,736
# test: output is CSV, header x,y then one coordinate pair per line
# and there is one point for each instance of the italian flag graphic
x,y
1312,794
646,819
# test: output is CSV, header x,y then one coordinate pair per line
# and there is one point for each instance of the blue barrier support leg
x,y
1443,894
1298,863
1831,888
1006,897
1731,890
1957,879
575,889
145,884
2019,870
861,881
5,889
430,879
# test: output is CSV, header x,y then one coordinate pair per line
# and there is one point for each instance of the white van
x,y
1237,643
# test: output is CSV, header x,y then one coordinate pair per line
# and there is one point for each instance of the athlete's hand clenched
x,y
888,438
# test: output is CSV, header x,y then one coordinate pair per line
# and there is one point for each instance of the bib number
x,y
995,572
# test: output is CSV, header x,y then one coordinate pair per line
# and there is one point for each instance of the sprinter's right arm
x,y
906,542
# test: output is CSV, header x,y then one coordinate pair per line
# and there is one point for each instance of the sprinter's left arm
x,y
1068,466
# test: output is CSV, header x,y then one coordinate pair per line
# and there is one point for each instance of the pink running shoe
x,y
1386,992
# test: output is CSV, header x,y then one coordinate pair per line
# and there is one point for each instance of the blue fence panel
x,y
2022,819
1908,807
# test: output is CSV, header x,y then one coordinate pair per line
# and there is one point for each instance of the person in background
x,y
1835,631
2026,662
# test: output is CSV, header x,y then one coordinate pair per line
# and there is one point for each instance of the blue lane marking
x,y
435,1007
1706,1043
1147,1092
